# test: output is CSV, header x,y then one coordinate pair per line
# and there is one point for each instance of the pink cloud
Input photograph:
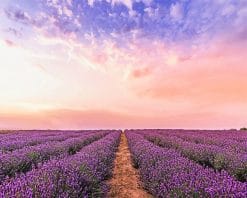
x,y
161,85
71,119
86,119
10,43
138,73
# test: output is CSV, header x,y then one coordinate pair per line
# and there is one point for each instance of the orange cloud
x,y
90,119
142,85
10,43
214,76
138,73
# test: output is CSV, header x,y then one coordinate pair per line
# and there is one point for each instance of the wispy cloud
x,y
19,16
14,31
176,11
124,62
10,43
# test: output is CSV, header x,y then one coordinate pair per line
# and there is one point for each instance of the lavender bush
x,y
80,175
166,173
219,158
24,159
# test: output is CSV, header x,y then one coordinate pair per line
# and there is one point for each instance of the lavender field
x,y
179,163
120,94
65,164
168,163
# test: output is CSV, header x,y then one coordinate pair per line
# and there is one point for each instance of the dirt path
x,y
125,182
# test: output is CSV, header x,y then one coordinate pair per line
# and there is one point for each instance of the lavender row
x,y
166,173
19,140
19,135
25,159
232,140
80,175
15,135
207,155
18,143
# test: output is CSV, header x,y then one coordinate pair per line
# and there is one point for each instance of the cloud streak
x,y
124,63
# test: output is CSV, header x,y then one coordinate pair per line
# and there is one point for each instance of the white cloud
x,y
132,13
90,2
70,2
62,8
54,1
176,11
228,10
147,2
67,11
127,3
77,23
241,18
151,12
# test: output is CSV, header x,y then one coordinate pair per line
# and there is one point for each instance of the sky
x,y
75,64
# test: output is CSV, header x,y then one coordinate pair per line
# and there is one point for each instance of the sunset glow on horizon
x,y
74,64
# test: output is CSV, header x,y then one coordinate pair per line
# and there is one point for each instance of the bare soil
x,y
125,182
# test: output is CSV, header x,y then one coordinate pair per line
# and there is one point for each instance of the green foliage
x,y
33,155
243,129
72,150
241,173
220,162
